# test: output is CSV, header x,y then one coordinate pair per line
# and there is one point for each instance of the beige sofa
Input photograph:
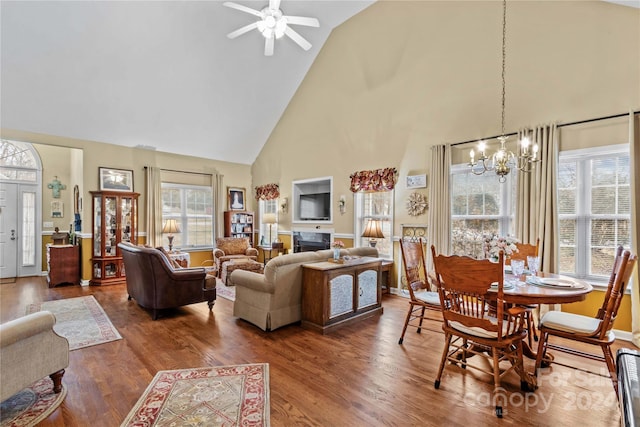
x,y
274,299
30,350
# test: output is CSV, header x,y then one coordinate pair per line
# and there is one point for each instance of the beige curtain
x,y
634,157
153,209
536,215
220,201
439,224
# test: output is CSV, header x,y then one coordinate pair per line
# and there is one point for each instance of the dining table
x,y
541,288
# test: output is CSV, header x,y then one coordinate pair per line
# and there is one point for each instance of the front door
x,y
8,230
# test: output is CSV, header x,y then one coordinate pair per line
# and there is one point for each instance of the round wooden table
x,y
526,293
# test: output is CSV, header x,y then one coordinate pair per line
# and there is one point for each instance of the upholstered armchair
x,y
156,285
228,248
30,350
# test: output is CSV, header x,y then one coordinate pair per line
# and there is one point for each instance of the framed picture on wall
x,y
115,179
236,199
417,181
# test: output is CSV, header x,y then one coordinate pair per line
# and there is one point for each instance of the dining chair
x,y
476,315
525,250
590,330
421,296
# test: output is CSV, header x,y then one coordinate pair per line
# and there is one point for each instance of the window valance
x,y
374,180
267,192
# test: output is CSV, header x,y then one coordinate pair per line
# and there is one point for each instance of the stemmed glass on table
x,y
533,264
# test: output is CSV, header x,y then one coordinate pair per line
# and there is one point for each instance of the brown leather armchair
x,y
156,285
228,248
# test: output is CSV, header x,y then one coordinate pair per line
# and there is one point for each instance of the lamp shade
x,y
171,226
269,218
373,230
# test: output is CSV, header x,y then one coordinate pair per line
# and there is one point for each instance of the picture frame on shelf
x,y
115,179
236,199
417,181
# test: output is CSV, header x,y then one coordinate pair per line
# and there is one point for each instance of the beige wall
x,y
402,76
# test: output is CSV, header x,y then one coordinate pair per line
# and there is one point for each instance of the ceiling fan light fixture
x,y
273,24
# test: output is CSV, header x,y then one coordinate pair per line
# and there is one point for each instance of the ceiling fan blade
x,y
297,38
274,4
302,20
241,31
242,8
268,46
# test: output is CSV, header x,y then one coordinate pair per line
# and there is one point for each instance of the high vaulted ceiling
x,y
158,75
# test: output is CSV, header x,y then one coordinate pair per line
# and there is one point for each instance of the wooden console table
x,y
63,264
334,295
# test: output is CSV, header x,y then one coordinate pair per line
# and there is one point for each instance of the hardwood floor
x,y
356,376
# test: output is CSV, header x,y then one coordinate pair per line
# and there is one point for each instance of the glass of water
x,y
533,264
517,267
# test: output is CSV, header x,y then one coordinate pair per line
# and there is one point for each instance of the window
x,y
376,205
480,205
192,207
593,209
268,232
17,161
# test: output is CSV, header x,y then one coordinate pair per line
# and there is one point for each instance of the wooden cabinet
x,y
63,264
334,295
238,224
115,219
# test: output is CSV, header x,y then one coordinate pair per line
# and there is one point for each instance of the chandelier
x,y
503,160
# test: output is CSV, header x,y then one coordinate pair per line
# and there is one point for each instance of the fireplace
x,y
307,241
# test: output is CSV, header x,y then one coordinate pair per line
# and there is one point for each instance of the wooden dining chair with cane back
x,y
422,297
525,250
474,312
591,330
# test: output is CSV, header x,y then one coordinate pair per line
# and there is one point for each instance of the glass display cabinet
x,y
114,221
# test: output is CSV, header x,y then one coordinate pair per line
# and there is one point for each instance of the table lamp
x,y
171,226
373,231
269,218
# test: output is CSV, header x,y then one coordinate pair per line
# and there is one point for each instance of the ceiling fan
x,y
273,24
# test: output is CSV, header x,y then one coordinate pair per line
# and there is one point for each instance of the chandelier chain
x,y
504,57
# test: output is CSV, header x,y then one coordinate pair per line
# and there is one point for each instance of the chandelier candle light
x,y
503,160
171,226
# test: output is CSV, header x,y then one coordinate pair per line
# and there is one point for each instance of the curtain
x,y
153,214
634,157
439,223
268,192
219,202
536,215
374,180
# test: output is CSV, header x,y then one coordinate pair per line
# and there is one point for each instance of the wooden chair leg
x,y
56,377
496,381
406,323
611,365
542,349
443,360
421,319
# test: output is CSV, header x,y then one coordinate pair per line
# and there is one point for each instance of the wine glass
x,y
532,264
517,267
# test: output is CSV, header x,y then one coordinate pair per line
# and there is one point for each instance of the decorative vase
x,y
336,253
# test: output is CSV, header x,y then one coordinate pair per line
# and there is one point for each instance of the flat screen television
x,y
314,207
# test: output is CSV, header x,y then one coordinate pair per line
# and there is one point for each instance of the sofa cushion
x,y
233,245
172,261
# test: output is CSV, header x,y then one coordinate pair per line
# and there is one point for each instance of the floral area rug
x,y
226,292
31,405
236,395
80,320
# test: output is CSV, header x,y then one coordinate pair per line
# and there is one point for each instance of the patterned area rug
x,y
81,320
236,395
226,292
31,405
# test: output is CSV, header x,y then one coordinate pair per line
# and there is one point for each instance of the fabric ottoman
x,y
242,264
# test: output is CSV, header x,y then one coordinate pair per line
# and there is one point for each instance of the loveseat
x,y
228,248
274,299
155,284
30,350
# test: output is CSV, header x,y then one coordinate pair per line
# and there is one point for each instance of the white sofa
x,y
30,350
274,299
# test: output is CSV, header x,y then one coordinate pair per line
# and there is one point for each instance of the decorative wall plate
x,y
417,204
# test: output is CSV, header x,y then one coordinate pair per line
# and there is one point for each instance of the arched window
x,y
18,162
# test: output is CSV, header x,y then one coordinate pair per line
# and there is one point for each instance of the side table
x,y
385,272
